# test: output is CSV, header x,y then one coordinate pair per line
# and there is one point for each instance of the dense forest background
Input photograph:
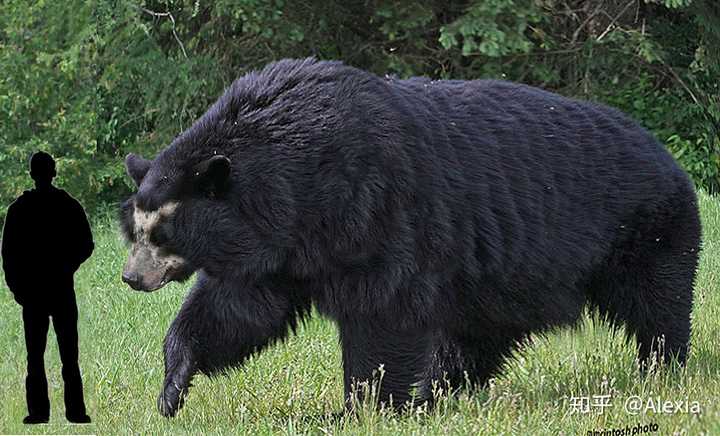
x,y
90,81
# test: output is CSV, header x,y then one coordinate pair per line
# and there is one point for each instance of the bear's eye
x,y
161,234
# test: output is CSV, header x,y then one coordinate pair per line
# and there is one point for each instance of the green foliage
x,y
492,28
45,103
672,3
699,158
91,81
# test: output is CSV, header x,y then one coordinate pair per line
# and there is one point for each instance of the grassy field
x,y
295,387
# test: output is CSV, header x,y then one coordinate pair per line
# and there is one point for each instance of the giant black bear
x,y
436,222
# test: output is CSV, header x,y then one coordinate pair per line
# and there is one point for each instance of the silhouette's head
x,y
42,169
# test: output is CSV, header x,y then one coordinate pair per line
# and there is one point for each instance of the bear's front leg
x,y
221,324
180,363
394,360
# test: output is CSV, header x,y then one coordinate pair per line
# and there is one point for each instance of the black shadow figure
x,y
46,238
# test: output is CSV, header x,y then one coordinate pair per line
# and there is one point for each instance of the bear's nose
x,y
131,279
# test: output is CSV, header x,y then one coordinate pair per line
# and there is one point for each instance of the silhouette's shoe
x,y
35,419
78,419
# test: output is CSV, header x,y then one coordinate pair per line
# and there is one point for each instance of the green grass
x,y
296,386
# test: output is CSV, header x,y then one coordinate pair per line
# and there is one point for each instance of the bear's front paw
x,y
171,399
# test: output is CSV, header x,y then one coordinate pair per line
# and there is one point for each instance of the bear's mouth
x,y
148,282
165,278
164,281
173,274
148,271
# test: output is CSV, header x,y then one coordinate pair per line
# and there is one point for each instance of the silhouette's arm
x,y
84,235
11,249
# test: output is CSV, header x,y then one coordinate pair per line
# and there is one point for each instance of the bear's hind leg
x,y
394,362
463,359
648,286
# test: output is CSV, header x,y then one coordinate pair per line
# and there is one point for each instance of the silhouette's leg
x,y
219,326
65,322
36,323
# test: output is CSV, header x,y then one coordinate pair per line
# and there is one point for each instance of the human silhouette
x,y
45,240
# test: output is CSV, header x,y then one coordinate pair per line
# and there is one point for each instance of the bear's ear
x,y
137,167
211,175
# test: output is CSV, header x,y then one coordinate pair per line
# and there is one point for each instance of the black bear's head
x,y
176,219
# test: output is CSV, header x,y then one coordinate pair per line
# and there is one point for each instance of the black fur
x,y
437,222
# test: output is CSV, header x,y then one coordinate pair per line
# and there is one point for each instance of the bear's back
x,y
545,179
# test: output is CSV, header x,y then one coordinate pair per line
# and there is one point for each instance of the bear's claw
x,y
171,399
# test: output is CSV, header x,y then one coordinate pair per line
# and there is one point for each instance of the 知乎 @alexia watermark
x,y
634,405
